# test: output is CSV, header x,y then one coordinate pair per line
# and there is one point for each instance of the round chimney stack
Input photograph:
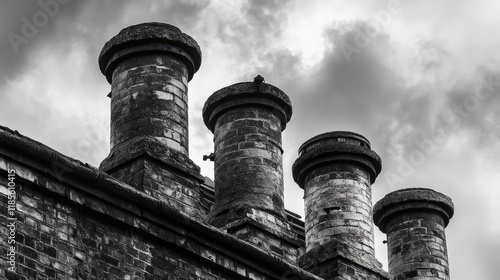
x,y
149,66
336,170
414,220
247,120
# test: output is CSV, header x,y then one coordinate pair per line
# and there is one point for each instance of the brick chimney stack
x,y
336,170
247,120
414,221
148,66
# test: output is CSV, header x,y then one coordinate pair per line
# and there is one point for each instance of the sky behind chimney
x,y
420,80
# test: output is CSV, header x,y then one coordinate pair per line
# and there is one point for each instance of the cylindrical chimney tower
x,y
415,220
336,170
247,120
149,66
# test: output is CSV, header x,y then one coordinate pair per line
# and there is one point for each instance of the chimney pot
x,y
148,66
414,220
146,38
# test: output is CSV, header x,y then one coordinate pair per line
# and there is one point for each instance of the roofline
x,y
89,175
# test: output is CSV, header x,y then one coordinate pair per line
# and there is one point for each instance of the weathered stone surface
x,y
247,93
247,120
412,198
332,137
152,36
415,220
336,170
139,110
148,66
336,146
343,262
145,218
84,224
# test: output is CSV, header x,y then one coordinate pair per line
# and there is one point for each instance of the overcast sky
x,y
419,79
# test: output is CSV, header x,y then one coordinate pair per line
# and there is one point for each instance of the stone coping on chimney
x,y
245,93
149,37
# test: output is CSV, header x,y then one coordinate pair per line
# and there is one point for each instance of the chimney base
x,y
159,171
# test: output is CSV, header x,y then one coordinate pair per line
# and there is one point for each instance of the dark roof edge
x,y
87,174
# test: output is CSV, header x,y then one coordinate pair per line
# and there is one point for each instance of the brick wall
x,y
78,231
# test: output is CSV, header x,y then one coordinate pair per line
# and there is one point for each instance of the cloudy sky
x,y
420,79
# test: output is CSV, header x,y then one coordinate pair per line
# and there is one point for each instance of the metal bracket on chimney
x,y
211,157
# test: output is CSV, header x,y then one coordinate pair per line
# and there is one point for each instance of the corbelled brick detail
x,y
247,120
336,170
415,220
149,66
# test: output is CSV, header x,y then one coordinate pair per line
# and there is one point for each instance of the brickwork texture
x,y
336,170
415,220
247,120
148,213
149,67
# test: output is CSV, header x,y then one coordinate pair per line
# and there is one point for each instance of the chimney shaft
x,y
414,221
247,120
149,66
336,170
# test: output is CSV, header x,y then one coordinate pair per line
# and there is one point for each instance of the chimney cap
x,y
335,146
150,33
412,199
247,93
